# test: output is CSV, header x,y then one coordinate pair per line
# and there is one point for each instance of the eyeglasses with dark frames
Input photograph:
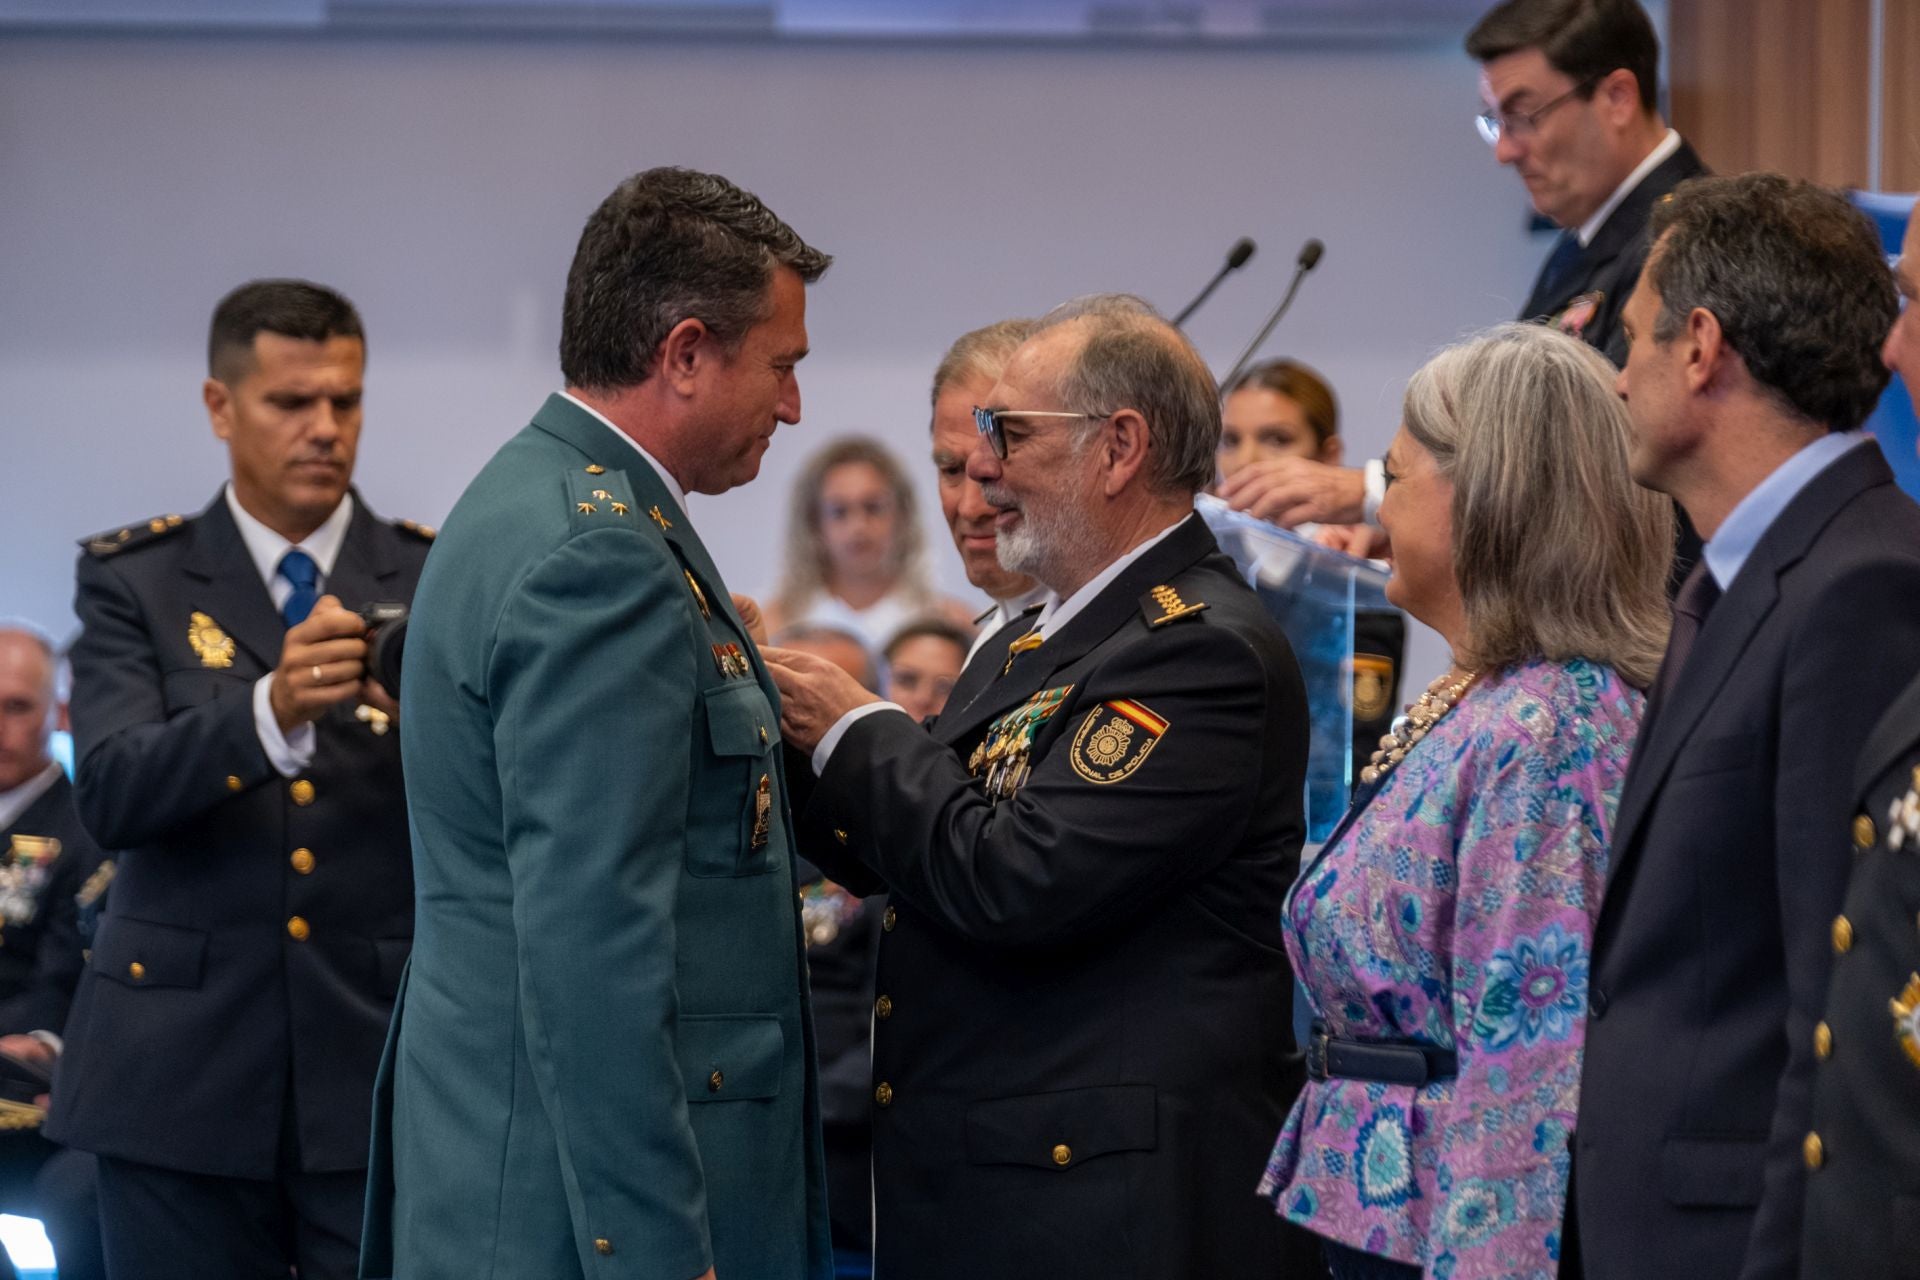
x,y
989,423
1524,124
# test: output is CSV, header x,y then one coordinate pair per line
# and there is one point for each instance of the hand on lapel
x,y
814,694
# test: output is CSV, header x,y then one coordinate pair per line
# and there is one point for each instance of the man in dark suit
x,y
602,1064
1571,91
1863,1203
46,857
1754,334
1081,1037
222,1045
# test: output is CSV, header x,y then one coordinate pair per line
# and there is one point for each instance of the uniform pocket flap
x,y
1713,1173
141,953
1060,1130
740,720
725,1057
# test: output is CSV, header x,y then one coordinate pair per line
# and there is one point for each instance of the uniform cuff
x,y
289,753
831,739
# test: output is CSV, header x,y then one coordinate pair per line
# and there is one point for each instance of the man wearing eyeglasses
x,y
1081,1031
1571,103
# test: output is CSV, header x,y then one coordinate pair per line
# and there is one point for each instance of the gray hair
x,y
983,352
1557,552
1131,358
1798,280
41,640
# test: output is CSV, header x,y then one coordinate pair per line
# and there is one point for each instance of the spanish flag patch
x,y
1114,740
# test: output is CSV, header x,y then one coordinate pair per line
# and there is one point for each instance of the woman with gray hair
x,y
1442,933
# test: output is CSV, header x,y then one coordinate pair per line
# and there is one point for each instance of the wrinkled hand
x,y
1359,540
750,616
814,694
322,662
1294,491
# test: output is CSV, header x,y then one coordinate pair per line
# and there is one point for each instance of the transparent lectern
x,y
1315,594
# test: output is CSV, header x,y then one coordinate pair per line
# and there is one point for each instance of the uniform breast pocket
x,y
738,828
142,953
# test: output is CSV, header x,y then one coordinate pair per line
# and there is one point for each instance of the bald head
x,y
27,665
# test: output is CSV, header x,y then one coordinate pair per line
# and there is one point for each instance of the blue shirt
x,y
1754,514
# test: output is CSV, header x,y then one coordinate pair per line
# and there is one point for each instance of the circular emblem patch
x,y
1114,740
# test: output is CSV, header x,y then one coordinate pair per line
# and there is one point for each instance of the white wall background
x,y
441,185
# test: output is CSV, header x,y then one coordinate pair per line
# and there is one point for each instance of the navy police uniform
x,y
232,1010
49,859
1863,1198
1081,1028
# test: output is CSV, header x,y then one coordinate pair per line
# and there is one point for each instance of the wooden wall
x,y
1788,85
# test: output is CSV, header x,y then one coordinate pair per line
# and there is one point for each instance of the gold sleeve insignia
x,y
1114,741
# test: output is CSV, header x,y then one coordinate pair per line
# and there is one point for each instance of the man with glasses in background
x,y
1570,90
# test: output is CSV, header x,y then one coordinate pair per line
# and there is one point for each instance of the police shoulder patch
x,y
1114,741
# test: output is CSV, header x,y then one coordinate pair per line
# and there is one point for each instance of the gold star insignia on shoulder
x,y
585,508
595,469
425,532
1163,605
619,508
141,532
659,519
602,495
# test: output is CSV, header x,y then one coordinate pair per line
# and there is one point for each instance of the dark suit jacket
x,y
1712,948
1863,1203
40,956
200,1017
1081,1044
1609,266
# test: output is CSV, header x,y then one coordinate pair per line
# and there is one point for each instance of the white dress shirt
x,y
288,752
1004,611
1655,158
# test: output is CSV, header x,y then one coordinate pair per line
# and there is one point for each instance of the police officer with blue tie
x,y
230,745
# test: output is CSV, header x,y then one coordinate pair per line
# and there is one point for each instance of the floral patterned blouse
x,y
1458,911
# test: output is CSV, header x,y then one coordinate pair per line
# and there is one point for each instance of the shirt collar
x,y
1655,158
267,547
17,801
1005,611
1058,613
1754,514
674,490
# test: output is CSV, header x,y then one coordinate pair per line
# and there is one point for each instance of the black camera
x,y
386,640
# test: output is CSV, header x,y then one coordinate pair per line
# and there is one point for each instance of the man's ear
x,y
1333,451
1708,355
1124,450
687,347
219,401
1617,95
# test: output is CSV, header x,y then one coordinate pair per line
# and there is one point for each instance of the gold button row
x,y
303,861
298,929
1813,1151
1864,836
883,1008
883,1094
889,918
1842,935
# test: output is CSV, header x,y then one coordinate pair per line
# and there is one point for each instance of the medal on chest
x,y
1903,819
1002,760
23,876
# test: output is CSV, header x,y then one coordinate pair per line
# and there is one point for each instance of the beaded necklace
x,y
1420,717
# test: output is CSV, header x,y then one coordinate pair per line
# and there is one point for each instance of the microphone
x,y
1237,258
1310,254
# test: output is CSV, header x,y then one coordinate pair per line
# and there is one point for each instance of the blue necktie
x,y
298,568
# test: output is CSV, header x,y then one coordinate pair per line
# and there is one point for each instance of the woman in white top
x,y
856,555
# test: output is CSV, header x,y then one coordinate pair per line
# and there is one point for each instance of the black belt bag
x,y
1331,1057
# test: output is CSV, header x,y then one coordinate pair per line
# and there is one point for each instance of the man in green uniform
x,y
601,1063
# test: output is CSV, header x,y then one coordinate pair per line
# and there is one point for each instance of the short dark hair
x,y
1299,384
1582,39
291,308
670,245
1797,278
929,628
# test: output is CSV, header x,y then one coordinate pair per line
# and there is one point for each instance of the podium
x,y
1323,599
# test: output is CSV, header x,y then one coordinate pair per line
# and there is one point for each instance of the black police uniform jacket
x,y
1713,945
256,929
1863,1203
39,912
1081,1040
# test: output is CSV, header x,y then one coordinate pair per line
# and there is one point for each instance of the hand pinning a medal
x,y
814,694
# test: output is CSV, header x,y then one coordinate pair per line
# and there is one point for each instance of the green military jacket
x,y
601,1061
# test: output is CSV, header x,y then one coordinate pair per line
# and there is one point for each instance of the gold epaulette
x,y
112,542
